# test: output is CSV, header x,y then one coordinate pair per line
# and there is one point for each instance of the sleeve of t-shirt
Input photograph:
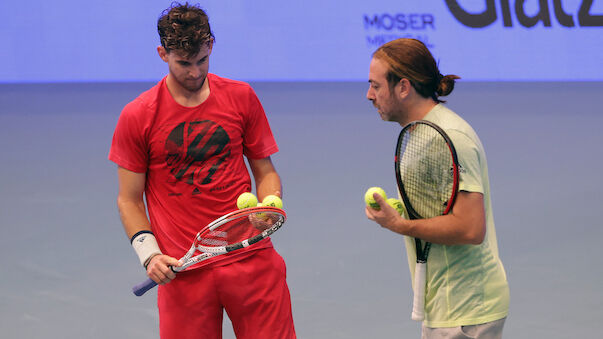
x,y
128,147
470,177
258,141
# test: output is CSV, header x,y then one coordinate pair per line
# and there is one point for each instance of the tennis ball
x,y
272,200
396,204
261,215
246,199
370,201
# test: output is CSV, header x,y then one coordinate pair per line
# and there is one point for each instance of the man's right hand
x,y
160,270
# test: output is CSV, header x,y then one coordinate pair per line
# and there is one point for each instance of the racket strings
x,y
426,169
238,229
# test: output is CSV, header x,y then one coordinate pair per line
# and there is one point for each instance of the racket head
x,y
239,229
427,170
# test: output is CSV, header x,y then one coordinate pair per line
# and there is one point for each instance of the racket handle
x,y
418,305
143,287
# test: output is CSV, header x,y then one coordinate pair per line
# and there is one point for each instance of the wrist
x,y
145,245
148,261
402,226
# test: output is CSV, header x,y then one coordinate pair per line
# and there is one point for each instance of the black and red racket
x,y
427,173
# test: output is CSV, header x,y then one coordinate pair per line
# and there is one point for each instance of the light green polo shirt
x,y
466,284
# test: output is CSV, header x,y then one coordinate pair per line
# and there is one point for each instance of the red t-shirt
x,y
192,157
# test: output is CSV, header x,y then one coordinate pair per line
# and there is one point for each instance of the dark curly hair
x,y
410,59
184,28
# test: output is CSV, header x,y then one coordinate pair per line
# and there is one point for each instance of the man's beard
x,y
192,85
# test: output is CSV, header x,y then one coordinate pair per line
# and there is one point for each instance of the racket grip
x,y
418,305
143,287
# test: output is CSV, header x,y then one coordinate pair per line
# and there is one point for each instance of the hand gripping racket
x,y
427,173
233,231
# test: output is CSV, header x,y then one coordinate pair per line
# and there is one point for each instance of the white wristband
x,y
146,246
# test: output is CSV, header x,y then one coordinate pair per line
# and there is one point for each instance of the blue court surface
x,y
67,267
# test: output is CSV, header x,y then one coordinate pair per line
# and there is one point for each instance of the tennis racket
x,y
427,173
233,231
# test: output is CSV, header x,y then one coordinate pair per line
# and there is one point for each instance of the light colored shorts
x,y
491,330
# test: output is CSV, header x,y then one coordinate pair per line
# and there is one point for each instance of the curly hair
x,y
184,28
410,59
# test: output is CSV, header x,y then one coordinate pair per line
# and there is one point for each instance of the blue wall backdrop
x,y
532,71
311,40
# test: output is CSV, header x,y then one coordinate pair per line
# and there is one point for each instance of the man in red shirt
x,y
182,145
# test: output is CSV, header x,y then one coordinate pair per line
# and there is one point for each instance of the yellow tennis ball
x,y
272,200
246,199
261,215
396,204
370,201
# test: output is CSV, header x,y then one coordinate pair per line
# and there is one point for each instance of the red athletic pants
x,y
253,291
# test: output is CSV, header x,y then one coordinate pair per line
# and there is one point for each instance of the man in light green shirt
x,y
466,294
